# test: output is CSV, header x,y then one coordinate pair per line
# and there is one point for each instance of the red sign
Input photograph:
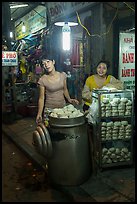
x,y
9,58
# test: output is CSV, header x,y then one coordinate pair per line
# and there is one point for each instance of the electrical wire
x,y
97,34
83,25
129,6
18,24
111,23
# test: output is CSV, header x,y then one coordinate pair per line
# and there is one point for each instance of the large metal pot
x,y
70,162
66,148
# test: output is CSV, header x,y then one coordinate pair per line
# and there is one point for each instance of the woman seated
x,y
98,81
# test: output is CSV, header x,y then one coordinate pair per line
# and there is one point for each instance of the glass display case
x,y
113,127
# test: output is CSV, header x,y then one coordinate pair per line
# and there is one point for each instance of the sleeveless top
x,y
54,90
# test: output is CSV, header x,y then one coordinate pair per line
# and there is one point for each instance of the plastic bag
x,y
93,112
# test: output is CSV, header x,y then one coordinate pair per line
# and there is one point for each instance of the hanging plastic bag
x,y
93,112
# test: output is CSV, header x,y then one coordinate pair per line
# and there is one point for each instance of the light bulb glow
x,y
11,34
66,41
63,23
18,6
23,28
66,37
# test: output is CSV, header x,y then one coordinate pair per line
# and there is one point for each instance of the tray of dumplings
x,y
114,155
66,116
116,107
116,130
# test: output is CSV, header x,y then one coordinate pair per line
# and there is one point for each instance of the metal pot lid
x,y
48,139
44,142
37,141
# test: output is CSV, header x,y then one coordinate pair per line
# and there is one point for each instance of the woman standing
x,y
52,90
97,81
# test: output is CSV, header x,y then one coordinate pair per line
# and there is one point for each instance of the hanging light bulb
x,y
66,36
11,34
23,28
66,31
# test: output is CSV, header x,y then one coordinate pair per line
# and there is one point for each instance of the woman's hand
x,y
73,101
38,119
109,85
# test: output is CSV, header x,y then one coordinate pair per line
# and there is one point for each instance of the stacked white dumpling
x,y
116,107
112,155
68,111
115,130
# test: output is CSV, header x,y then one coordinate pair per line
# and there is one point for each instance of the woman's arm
x,y
67,96
40,103
86,92
115,83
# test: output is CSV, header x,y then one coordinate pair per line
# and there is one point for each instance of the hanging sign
x,y
33,21
127,59
58,10
9,58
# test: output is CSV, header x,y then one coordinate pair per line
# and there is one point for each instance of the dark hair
x,y
105,62
47,56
